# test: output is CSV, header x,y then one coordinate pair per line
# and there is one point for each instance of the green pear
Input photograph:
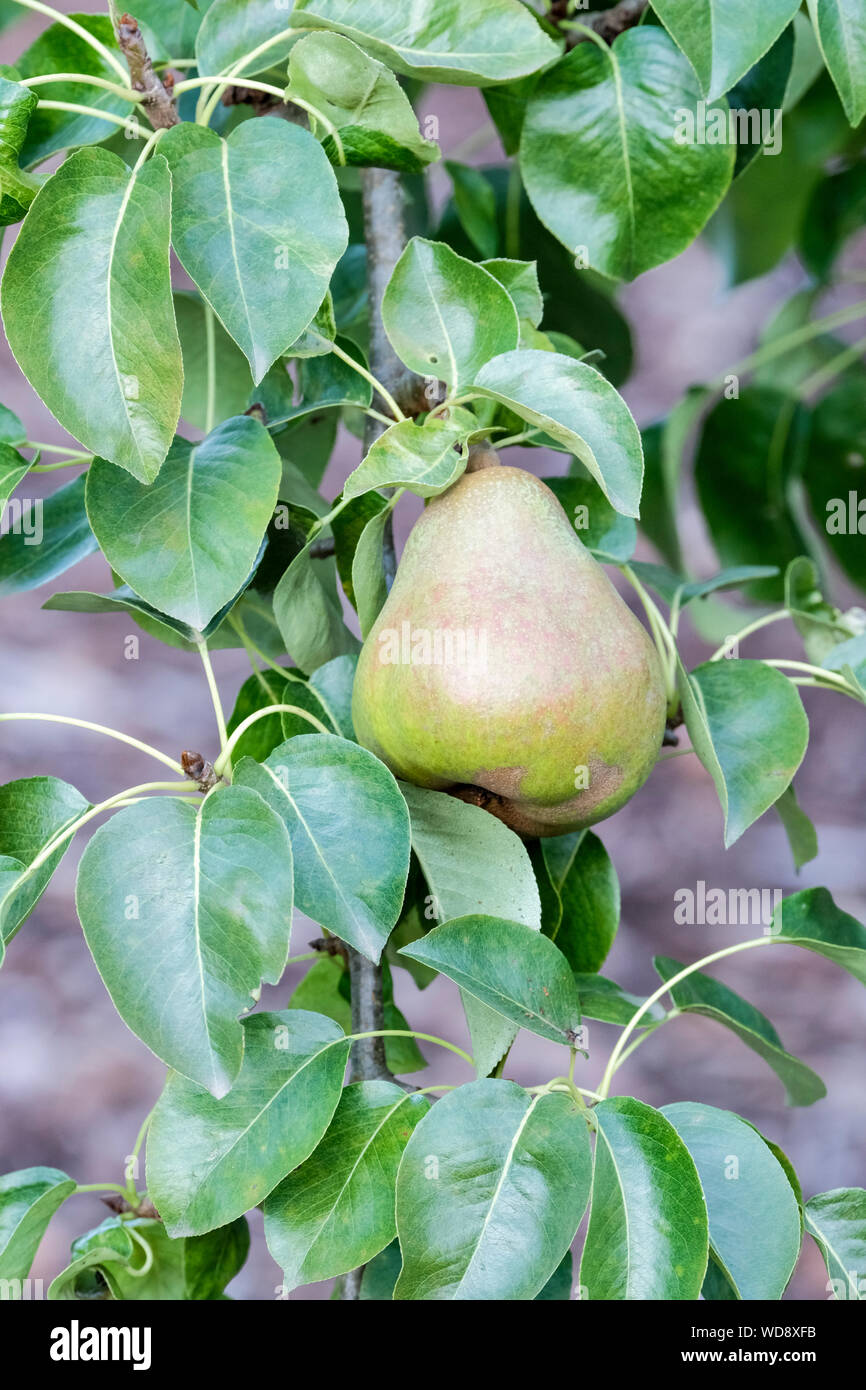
x,y
504,666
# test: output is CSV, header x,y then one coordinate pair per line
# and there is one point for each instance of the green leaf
x,y
701,994
33,812
471,861
381,1274
611,537
363,99
607,1001
108,1263
558,1286
579,409
761,218
753,1213
333,684
762,90
601,158
837,1223
475,202
676,588
13,468
508,966
258,224
308,443
209,1160
318,337
664,448
319,991
212,1261
790,1174
747,457
469,44
369,583
491,1190
268,688
473,864
58,50
426,458
17,189
722,39
749,729
50,535
331,793
801,833
155,623
88,311
174,27
336,1211
28,1200
833,475
812,919
840,26
198,898
187,542
309,615
520,279
87,1276
9,13
731,578
836,212
446,316
647,1236
233,28
11,429
233,384
587,890
326,383
850,659
579,303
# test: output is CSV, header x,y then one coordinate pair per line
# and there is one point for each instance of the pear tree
x,y
421,749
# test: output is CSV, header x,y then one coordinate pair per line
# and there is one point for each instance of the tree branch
x,y
158,103
386,240
385,237
609,24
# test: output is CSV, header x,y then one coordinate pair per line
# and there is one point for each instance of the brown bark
x,y
158,103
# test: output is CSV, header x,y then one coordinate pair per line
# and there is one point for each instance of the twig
x,y
608,24
158,102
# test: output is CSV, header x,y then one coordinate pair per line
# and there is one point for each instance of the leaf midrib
x,y
506,1168
209,1172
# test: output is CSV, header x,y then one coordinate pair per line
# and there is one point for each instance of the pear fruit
x,y
504,667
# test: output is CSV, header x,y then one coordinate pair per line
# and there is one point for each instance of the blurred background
x,y
75,1084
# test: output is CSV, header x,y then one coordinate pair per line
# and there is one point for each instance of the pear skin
x,y
505,668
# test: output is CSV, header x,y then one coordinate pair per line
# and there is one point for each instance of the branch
x,y
385,236
609,24
386,240
263,104
158,102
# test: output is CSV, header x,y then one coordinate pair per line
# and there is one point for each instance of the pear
x,y
504,667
